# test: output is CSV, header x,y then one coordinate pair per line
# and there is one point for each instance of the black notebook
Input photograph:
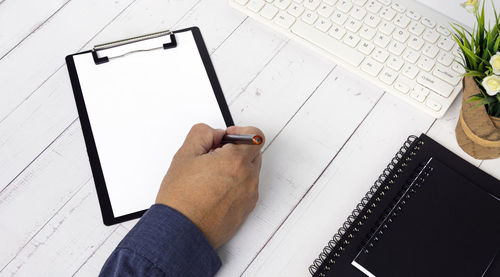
x,y
431,213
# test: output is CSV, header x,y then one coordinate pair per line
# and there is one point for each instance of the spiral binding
x,y
328,255
412,185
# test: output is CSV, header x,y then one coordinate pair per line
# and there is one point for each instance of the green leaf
x,y
496,45
475,98
486,101
498,97
474,73
494,109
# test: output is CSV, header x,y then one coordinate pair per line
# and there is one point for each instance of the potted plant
x,y
478,127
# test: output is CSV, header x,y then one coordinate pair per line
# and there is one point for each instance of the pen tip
x,y
257,140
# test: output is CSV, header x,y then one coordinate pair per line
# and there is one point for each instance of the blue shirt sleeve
x,y
163,243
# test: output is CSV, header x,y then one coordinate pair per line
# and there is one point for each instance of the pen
x,y
242,139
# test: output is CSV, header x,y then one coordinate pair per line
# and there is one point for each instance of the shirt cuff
x,y
171,242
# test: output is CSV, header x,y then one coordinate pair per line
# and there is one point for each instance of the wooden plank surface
x,y
320,122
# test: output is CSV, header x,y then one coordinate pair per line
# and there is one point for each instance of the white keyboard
x,y
402,46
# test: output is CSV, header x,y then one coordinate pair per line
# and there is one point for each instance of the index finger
x,y
247,150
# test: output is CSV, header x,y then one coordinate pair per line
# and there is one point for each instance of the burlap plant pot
x,y
477,133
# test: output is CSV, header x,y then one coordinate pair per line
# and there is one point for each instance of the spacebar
x,y
327,43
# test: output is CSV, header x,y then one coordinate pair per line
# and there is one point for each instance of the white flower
x,y
491,84
470,5
495,63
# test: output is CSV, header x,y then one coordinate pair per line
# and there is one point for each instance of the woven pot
x,y
478,134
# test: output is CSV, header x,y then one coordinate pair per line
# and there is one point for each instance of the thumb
x,y
201,139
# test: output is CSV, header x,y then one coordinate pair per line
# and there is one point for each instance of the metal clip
x,y
105,46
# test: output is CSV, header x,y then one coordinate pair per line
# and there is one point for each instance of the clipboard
x,y
137,98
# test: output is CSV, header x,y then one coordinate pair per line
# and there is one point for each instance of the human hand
x,y
215,187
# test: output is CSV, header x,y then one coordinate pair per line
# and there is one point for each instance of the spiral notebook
x,y
430,214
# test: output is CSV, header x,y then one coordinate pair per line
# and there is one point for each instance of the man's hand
x,y
216,188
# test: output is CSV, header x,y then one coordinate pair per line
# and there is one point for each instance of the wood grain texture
x,y
39,192
67,240
93,265
323,210
42,53
18,22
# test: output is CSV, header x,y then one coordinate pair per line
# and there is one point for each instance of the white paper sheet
x,y
140,107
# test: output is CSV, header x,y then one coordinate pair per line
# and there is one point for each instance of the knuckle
x,y
200,127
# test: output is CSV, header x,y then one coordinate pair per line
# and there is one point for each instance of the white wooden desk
x,y
329,133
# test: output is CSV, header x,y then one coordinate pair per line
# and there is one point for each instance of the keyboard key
x,y
242,2
311,4
435,84
371,67
352,25
309,17
344,6
388,76
367,33
428,22
398,7
402,21
415,43
366,47
385,2
339,17
381,40
351,40
295,9
443,30
401,87
445,58
337,32
446,74
360,3
373,6
328,2
282,4
380,55
457,52
396,48
323,24
410,71
416,28
372,20
401,35
411,56
419,93
255,5
430,36
327,43
458,68
269,11
433,104
386,28
358,13
387,13
425,63
446,43
430,50
412,15
325,10
284,19
395,63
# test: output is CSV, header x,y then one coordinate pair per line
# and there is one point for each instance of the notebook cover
x,y
443,225
336,258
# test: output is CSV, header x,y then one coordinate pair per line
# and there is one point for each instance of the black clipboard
x,y
99,57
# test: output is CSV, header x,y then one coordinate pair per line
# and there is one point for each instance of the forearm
x,y
163,243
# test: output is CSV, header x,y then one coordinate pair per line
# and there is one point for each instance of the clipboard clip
x,y
105,46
